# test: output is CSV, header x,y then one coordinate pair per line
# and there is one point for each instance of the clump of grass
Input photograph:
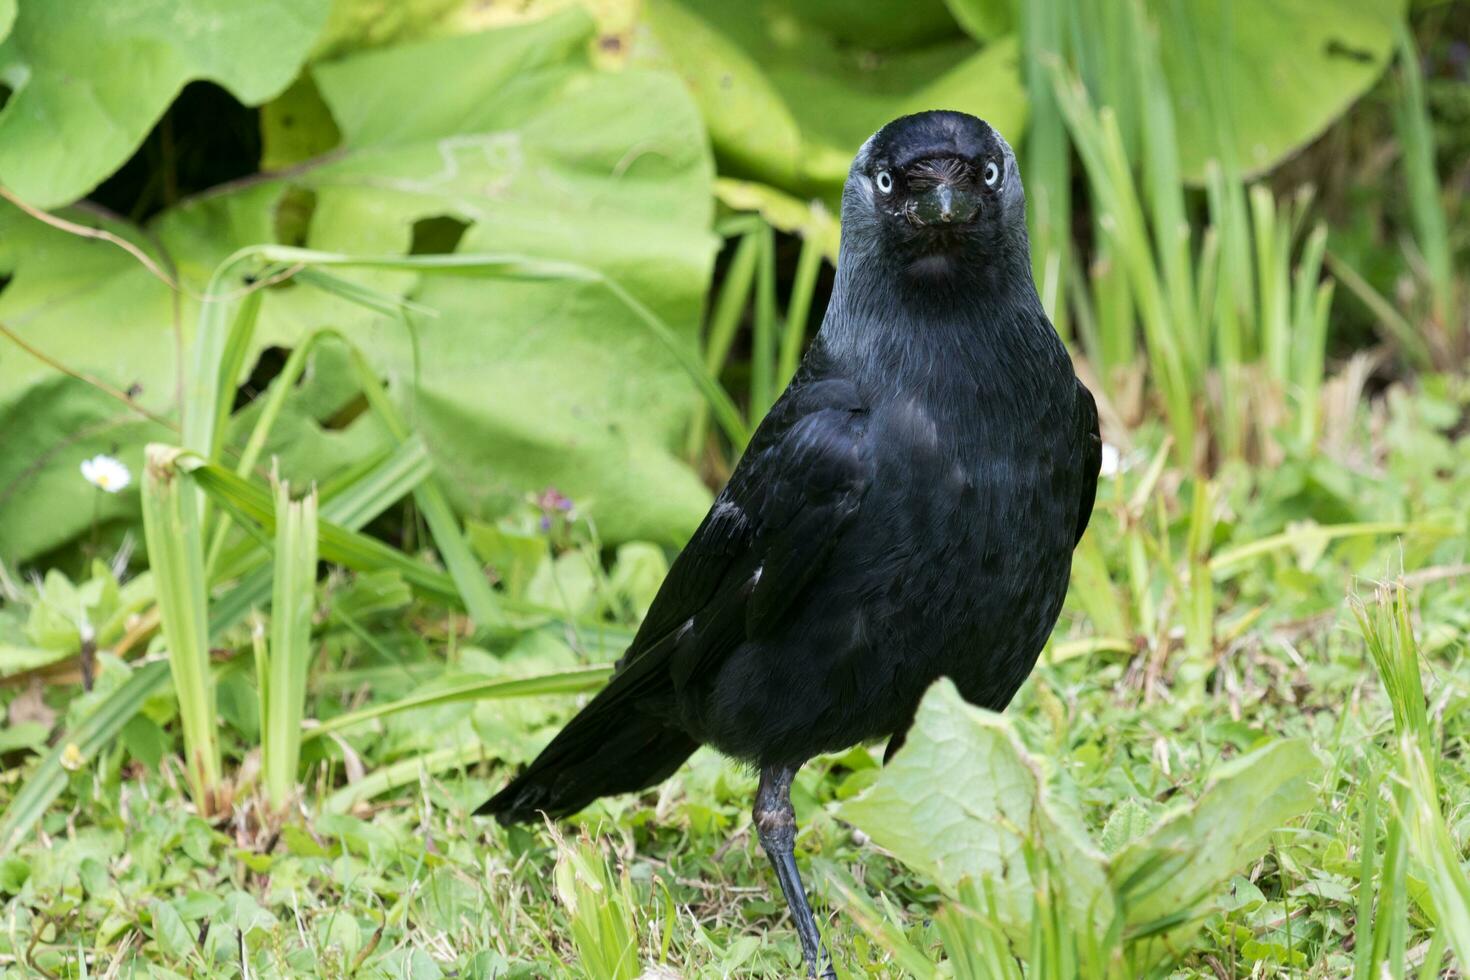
x,y
1417,829
1233,321
599,905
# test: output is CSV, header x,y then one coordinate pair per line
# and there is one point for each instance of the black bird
x,y
907,510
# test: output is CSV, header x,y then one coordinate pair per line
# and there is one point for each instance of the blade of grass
x,y
1048,160
1226,560
798,309
725,321
402,773
176,555
232,362
275,400
763,331
1416,136
1367,858
1399,329
568,682
351,507
338,544
293,601
599,905
469,576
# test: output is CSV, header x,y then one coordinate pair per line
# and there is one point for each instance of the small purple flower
x,y
552,501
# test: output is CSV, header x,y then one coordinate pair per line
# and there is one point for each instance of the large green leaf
x,y
962,800
790,92
984,19
92,308
515,384
89,77
534,382
1199,844
1269,75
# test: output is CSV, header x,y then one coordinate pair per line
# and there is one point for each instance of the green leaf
x,y
984,19
569,682
241,911
516,385
1193,851
13,874
169,931
521,385
19,659
810,219
961,801
1268,75
790,93
90,77
296,126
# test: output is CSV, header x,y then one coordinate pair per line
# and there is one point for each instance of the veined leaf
x,y
961,800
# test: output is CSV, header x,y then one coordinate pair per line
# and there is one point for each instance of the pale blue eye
x,y
992,174
885,181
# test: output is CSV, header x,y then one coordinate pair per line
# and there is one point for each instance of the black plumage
x,y
906,511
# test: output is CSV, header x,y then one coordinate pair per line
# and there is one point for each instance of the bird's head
x,y
937,192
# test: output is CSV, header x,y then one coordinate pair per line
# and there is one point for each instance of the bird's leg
x,y
775,822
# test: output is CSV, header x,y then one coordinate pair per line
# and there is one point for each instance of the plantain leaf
x,y
962,800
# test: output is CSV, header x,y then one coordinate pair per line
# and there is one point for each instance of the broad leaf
x,y
962,799
963,802
95,310
984,19
91,76
532,383
515,384
791,92
1268,74
1194,849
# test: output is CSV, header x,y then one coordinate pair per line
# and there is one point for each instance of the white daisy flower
x,y
1112,461
106,473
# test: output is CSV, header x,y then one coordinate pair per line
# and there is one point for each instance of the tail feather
x,y
610,747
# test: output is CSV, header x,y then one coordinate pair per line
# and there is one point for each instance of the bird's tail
x,y
609,747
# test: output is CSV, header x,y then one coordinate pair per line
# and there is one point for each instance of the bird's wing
x,y
768,533
1090,436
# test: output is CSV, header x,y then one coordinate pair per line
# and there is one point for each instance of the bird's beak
x,y
946,203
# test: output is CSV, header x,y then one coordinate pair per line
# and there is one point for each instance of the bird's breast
x,y
967,512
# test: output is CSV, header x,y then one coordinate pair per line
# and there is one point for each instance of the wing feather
x,y
768,534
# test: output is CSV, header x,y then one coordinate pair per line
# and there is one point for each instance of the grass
x,y
389,875
275,773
